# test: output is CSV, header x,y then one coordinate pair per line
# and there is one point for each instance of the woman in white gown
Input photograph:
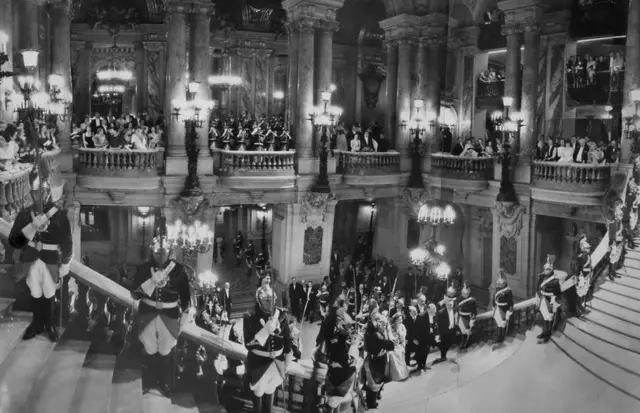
x,y
565,153
398,369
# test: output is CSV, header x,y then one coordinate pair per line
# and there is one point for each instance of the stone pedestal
x,y
391,86
201,70
305,233
175,87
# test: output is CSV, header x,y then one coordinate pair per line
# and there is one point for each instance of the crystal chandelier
x,y
191,239
113,80
435,215
206,282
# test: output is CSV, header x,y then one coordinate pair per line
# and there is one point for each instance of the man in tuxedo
x,y
458,148
446,321
224,298
296,294
580,152
411,345
367,143
424,335
308,301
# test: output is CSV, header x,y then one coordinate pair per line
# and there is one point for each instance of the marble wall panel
x,y
154,83
467,94
245,91
261,77
556,85
541,103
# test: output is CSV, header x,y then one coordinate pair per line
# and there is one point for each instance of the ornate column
x,y
303,131
201,70
391,86
324,65
632,71
61,64
435,37
292,77
175,86
156,63
403,95
528,136
205,260
81,72
141,77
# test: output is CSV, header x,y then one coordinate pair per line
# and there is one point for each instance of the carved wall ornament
x,y
371,81
312,249
509,216
117,197
414,198
485,224
190,208
314,209
508,254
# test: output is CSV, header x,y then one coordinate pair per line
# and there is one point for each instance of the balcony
x,y
15,191
462,172
369,168
569,182
115,168
255,169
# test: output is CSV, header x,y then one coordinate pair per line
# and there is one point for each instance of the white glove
x,y
39,222
472,322
184,319
158,277
508,314
63,271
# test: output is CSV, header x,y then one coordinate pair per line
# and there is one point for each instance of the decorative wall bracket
x,y
509,216
314,208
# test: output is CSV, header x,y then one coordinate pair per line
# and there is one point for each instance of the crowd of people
x,y
250,133
128,132
359,139
587,70
17,148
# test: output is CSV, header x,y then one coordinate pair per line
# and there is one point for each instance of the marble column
x,y
403,96
512,69
175,87
141,78
6,84
292,88
530,87
81,52
324,65
205,260
303,134
420,70
632,71
391,86
436,54
202,62
61,64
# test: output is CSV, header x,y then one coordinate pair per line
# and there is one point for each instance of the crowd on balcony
x,y
577,150
359,139
17,149
249,133
128,132
585,70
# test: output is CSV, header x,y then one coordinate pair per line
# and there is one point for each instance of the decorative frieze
x,y
314,209
509,218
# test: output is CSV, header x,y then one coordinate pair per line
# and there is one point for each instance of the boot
x,y
150,373
556,320
36,327
48,315
543,335
372,398
267,403
257,404
547,337
166,375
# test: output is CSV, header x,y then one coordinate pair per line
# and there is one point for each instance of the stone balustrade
x,y
254,163
368,163
450,166
120,162
570,177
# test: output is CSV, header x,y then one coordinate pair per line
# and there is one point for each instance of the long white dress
x,y
566,154
396,367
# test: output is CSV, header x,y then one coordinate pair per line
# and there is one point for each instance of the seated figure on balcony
x,y
43,234
162,287
502,306
269,344
548,293
355,144
565,154
100,139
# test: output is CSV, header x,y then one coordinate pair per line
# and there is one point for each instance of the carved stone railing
x,y
570,177
15,191
368,163
254,163
120,162
446,165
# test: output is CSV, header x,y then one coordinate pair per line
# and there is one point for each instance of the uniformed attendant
x,y
238,244
583,268
162,287
341,371
467,311
43,234
261,264
502,305
268,341
616,240
377,344
548,292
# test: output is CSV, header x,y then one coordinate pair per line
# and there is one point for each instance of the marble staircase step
x,y
616,299
12,327
629,282
126,386
629,272
620,289
54,389
633,255
21,369
604,334
631,263
6,305
614,310
181,402
611,374
93,391
614,324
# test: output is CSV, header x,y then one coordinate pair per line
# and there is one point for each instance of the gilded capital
x,y
530,25
511,29
305,24
328,25
177,8
204,9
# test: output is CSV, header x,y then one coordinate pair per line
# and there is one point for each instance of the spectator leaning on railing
x,y
126,132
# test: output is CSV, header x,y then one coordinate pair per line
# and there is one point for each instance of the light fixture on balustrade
x,y
436,215
206,282
190,239
324,120
59,101
189,110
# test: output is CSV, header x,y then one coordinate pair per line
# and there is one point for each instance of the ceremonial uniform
x,y
549,293
162,289
502,306
269,344
616,244
46,248
375,365
467,311
238,243
341,371
583,267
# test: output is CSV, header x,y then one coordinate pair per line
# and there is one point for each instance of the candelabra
x,y
435,215
189,110
324,120
510,128
431,258
417,147
190,239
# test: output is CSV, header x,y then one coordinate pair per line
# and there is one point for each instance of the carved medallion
x,y
314,209
509,217
190,208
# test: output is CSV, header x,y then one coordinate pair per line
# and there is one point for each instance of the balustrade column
x,y
403,97
392,84
303,132
631,72
61,59
201,71
324,64
175,87
530,88
292,88
512,69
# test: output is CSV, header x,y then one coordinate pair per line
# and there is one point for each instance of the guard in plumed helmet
x,y
43,234
583,266
548,294
502,306
467,311
162,287
269,344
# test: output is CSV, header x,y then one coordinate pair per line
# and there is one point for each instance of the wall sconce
x,y
30,58
278,95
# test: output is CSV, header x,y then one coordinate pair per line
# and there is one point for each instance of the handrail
x,y
232,152
123,162
476,168
256,163
573,177
366,153
368,163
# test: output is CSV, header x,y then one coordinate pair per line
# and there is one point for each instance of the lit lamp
x,y
189,110
30,58
4,55
443,270
207,281
435,215
143,216
190,239
57,105
632,123
324,120
416,146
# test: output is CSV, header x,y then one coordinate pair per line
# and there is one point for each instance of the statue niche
x,y
372,81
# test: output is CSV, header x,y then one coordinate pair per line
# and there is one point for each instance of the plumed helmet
x,y
266,298
548,266
47,178
584,243
466,291
501,282
160,241
451,293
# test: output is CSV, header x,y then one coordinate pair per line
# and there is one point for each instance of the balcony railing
x,y
368,163
120,162
15,191
570,177
462,167
254,163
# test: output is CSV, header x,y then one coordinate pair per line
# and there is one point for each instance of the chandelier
x,y
206,282
188,110
225,80
113,80
435,215
191,239
507,122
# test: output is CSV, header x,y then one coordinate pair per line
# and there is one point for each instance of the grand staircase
x,y
607,342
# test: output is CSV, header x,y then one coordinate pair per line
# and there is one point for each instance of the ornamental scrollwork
x,y
190,207
314,209
415,197
509,216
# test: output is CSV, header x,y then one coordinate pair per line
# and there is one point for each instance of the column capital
x,y
153,46
178,7
203,9
511,29
63,6
246,52
304,24
390,44
530,26
327,25
466,36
